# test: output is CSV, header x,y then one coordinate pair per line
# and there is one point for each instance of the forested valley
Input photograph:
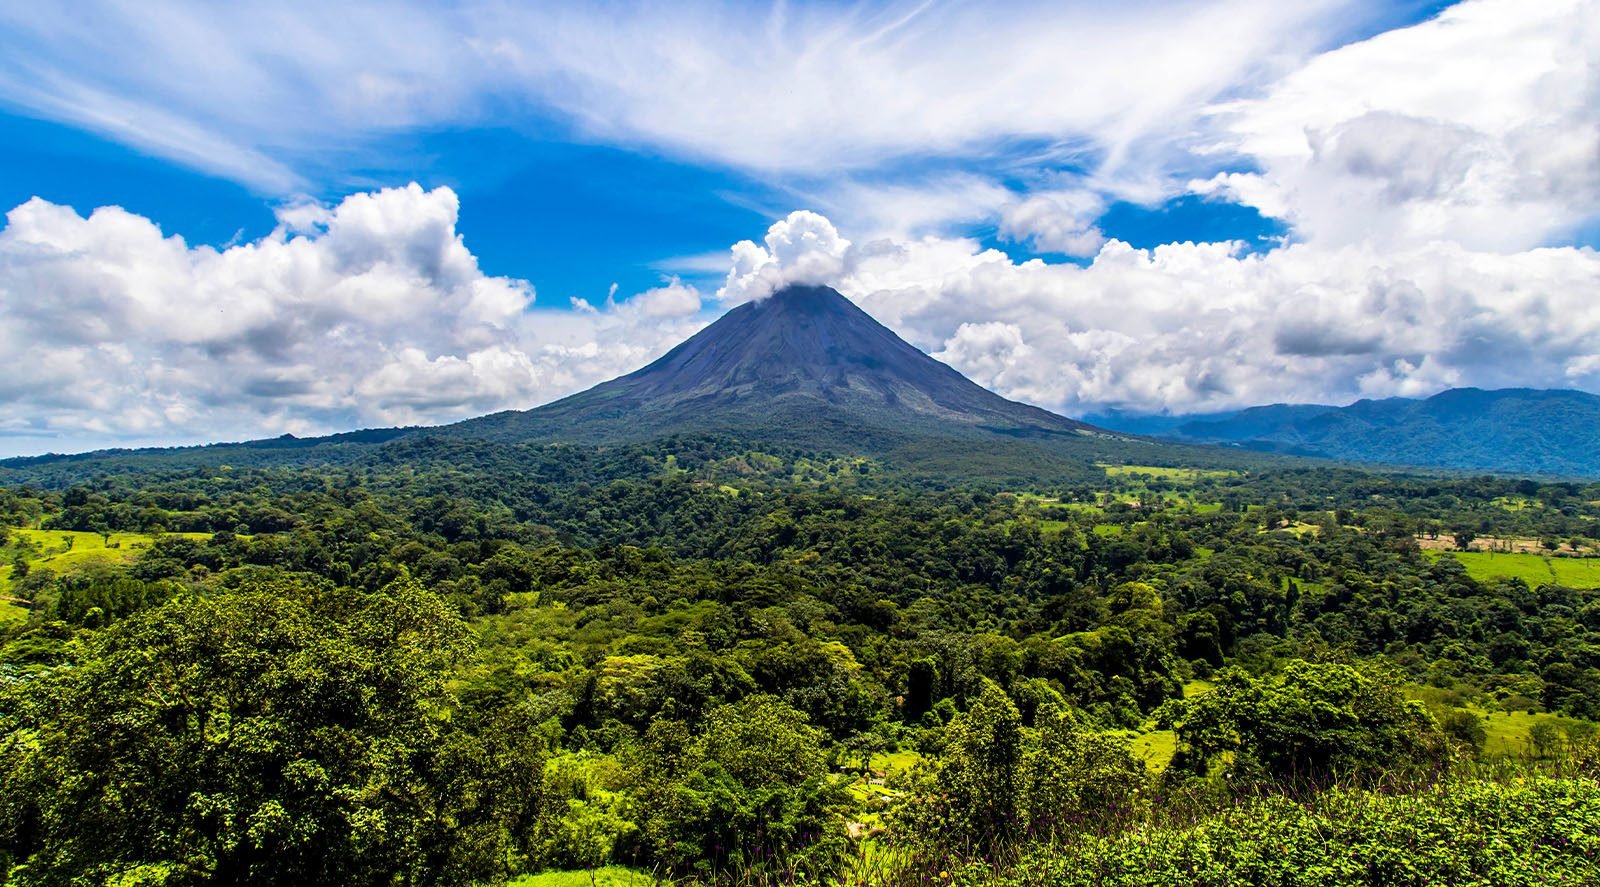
x,y
694,661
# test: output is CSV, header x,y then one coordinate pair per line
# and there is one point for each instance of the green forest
x,y
697,662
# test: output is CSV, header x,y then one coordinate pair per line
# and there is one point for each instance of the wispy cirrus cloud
x,y
276,96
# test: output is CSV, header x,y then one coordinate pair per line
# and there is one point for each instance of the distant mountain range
x,y
806,370
803,369
1513,430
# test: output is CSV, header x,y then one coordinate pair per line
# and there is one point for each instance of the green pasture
x,y
608,876
895,762
1510,732
1534,569
67,551
1156,748
1176,475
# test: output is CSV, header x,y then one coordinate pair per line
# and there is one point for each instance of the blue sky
x,y
985,184
541,202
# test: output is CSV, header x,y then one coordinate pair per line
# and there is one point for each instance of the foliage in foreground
x,y
276,732
455,674
1533,831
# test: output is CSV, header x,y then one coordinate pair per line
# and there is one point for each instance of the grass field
x,y
1534,569
1508,732
1515,503
1176,475
1156,748
895,762
66,551
609,876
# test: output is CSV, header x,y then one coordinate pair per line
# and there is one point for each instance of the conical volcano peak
x,y
813,300
807,297
803,356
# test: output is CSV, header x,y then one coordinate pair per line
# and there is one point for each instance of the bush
x,y
1311,721
1521,832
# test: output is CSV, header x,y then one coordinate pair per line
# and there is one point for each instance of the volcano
x,y
803,371
804,364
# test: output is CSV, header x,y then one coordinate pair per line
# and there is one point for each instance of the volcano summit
x,y
804,362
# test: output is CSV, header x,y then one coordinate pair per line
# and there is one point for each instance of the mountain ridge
x,y
1513,430
806,368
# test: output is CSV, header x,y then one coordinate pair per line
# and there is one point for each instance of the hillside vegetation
x,y
694,662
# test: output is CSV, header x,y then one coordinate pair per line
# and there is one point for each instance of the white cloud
x,y
1056,223
1420,172
371,312
270,95
803,248
1476,127
1480,127
1194,327
1188,327
928,205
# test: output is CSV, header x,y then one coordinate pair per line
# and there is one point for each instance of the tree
x,y
275,732
1074,776
981,770
1310,721
751,792
1465,727
1545,739
1463,539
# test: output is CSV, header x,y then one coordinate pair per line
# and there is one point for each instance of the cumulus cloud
x,y
1194,327
802,248
370,312
1480,127
1056,223
1423,175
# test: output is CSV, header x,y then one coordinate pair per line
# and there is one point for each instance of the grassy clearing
x,y
68,551
609,876
1510,732
1311,589
1515,503
1534,569
1197,687
1176,475
9,612
1071,506
895,762
61,550
1156,748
